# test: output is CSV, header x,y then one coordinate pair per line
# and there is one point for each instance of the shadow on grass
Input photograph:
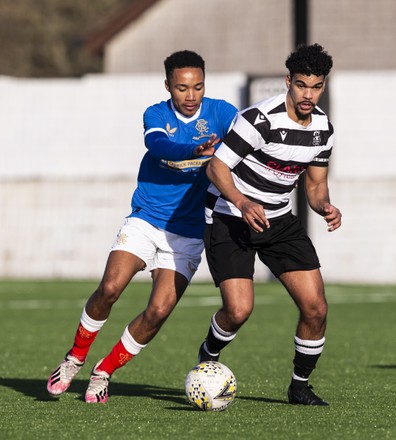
x,y
262,399
384,367
239,397
37,389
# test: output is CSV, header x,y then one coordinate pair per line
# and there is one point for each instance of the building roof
x,y
96,41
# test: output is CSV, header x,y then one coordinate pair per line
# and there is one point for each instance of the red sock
x,y
82,342
118,357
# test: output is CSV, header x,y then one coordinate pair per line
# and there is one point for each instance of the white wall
x,y
90,127
362,180
70,150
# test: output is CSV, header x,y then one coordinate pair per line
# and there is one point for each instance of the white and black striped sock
x,y
307,353
217,338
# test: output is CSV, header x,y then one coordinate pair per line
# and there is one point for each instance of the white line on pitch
x,y
203,301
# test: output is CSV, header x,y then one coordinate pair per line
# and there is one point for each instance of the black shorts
x,y
231,246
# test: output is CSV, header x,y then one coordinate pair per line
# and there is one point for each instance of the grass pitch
x,y
356,373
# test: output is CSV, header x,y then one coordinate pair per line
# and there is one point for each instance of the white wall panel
x,y
70,150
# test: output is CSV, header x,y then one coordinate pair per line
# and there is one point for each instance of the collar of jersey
x,y
183,118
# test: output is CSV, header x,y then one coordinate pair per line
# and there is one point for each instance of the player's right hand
x,y
254,215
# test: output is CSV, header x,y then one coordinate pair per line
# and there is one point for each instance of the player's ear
x,y
288,81
167,85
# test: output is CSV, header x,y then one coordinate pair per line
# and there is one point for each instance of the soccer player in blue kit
x,y
164,232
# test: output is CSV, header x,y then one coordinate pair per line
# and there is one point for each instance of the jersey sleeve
x,y
157,140
240,141
228,114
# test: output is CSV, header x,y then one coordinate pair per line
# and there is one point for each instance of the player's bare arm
x,y
253,213
318,197
207,148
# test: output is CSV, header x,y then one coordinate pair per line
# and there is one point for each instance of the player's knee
x,y
239,315
316,311
156,316
109,292
323,310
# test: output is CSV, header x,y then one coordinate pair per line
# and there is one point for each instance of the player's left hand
x,y
207,148
332,217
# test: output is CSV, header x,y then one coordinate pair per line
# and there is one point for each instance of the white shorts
x,y
159,249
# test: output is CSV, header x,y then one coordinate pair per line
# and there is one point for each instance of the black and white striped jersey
x,y
266,152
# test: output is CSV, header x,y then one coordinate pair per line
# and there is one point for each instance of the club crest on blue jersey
x,y
202,128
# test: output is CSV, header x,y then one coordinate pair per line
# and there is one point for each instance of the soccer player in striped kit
x,y
249,212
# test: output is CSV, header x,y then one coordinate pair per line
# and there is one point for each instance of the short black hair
x,y
183,58
309,60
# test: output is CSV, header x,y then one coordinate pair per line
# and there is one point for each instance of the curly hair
x,y
183,58
309,60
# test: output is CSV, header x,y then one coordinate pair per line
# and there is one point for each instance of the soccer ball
x,y
210,386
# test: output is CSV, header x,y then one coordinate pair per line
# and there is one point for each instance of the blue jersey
x,y
172,183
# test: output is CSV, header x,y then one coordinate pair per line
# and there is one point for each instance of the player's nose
x,y
191,95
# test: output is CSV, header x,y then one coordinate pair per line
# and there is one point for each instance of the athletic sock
x,y
86,333
307,353
217,338
125,349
